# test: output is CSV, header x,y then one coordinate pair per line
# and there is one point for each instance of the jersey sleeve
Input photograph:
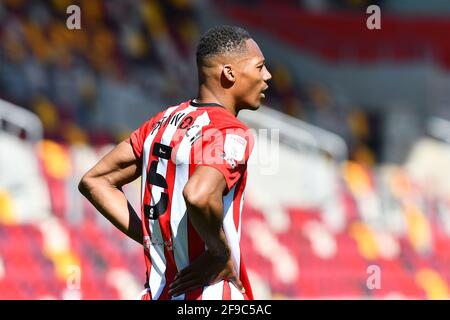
x,y
226,150
138,136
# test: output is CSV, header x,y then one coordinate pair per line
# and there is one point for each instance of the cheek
x,y
253,83
250,86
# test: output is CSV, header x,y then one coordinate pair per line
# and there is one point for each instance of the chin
x,y
251,105
255,105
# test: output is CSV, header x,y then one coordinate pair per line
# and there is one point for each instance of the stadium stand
x,y
406,239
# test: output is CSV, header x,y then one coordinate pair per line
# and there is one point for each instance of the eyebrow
x,y
263,62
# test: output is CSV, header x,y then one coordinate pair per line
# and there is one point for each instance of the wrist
x,y
223,252
220,248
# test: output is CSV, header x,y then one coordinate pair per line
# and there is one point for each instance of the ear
x,y
228,73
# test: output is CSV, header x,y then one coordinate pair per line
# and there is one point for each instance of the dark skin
x,y
203,195
102,185
237,82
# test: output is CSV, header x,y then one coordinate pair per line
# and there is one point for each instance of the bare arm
x,y
102,184
203,196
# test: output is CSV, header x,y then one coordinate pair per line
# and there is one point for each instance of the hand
x,y
207,269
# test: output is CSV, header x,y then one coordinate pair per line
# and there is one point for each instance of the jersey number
x,y
156,179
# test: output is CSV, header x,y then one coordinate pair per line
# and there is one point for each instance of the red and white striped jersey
x,y
171,145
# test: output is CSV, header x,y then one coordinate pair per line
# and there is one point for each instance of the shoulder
x,y
222,119
234,133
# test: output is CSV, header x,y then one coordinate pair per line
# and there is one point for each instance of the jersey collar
x,y
207,104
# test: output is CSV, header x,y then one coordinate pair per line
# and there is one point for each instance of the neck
x,y
207,95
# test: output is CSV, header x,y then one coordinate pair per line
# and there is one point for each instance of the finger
x,y
183,290
183,272
184,279
181,279
185,287
237,283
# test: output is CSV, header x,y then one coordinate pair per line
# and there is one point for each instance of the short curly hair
x,y
220,40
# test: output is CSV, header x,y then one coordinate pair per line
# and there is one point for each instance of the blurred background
x,y
357,204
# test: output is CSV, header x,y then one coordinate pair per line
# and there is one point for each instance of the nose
x,y
267,75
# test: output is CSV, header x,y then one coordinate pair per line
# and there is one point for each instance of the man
x,y
193,160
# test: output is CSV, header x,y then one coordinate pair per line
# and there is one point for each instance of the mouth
x,y
262,92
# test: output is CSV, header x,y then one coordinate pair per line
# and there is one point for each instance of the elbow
x,y
196,197
85,185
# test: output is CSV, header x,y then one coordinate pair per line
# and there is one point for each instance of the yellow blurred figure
x,y
418,228
92,11
75,135
357,178
365,239
46,111
433,284
7,210
55,158
61,5
37,41
364,155
153,16
359,124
